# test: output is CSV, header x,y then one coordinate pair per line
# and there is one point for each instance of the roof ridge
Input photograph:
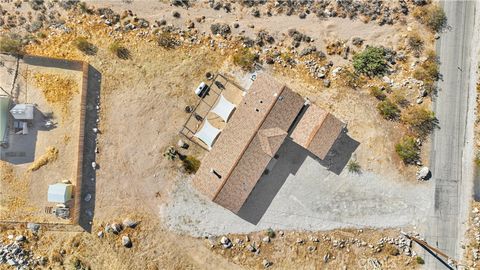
x,y
284,86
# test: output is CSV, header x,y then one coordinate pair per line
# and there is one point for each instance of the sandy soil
x,y
142,109
24,196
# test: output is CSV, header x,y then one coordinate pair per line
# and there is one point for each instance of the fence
x,y
84,68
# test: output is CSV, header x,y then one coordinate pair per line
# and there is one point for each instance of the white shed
x,y
60,192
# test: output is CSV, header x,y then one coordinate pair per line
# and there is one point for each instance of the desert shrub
x,y
191,164
428,71
408,150
245,59
400,98
371,61
84,46
415,42
419,260
392,250
354,167
388,109
350,79
167,40
432,16
420,120
11,44
119,50
377,93
271,233
51,154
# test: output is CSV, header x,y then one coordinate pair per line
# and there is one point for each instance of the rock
x,y
308,50
176,14
226,242
420,2
423,173
100,234
33,227
302,15
129,223
357,41
419,100
116,228
436,36
336,70
236,25
266,239
88,197
182,144
221,29
94,165
269,60
126,241
311,248
299,241
20,238
255,12
266,263
326,83
251,248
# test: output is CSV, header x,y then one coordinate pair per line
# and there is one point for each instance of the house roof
x,y
317,131
253,135
22,111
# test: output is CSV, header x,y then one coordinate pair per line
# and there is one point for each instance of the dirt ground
x,y
23,195
142,110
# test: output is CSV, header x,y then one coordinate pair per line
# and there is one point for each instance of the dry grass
x,y
51,154
13,190
57,89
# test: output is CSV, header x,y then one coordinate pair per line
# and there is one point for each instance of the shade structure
x,y
60,193
22,111
223,108
208,134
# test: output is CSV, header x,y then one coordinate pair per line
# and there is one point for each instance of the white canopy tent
x,y
60,193
223,108
207,134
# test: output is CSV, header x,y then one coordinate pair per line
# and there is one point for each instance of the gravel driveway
x,y
300,193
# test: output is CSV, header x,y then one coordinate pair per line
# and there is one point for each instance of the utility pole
x,y
436,251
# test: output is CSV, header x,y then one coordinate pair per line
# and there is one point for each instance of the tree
x,y
371,61
388,109
420,120
408,150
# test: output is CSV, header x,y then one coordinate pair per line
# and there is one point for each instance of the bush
x,y
415,43
371,61
120,51
392,250
350,79
399,97
191,164
245,59
420,120
433,17
84,46
408,150
354,167
377,93
167,40
388,109
419,260
10,44
271,233
428,71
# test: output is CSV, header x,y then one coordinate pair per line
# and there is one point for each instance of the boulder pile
x,y
15,255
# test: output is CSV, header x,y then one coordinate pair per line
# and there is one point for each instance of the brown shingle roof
x,y
245,147
317,131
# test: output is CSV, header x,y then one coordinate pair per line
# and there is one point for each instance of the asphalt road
x,y
450,166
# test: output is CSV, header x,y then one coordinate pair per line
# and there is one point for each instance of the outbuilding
x,y
60,192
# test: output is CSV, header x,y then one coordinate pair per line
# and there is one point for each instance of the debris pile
x,y
15,255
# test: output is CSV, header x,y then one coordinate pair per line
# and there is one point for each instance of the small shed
x,y
22,112
60,192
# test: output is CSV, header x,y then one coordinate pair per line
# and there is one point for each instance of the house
x,y
269,114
